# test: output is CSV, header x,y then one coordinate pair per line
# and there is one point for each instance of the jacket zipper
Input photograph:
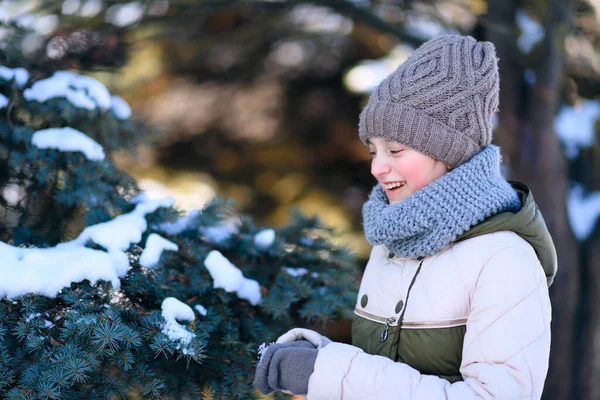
x,y
384,335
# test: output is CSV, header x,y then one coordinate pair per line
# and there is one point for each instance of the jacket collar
x,y
528,223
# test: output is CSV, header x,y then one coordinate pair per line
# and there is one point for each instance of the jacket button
x,y
364,300
391,255
399,306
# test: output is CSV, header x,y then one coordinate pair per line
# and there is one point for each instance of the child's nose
x,y
379,166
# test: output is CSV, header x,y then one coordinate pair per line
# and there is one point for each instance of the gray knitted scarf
x,y
433,217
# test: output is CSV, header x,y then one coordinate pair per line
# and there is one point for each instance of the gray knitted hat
x,y
440,101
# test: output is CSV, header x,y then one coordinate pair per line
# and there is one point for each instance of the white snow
x,y
13,194
120,108
216,234
141,197
119,233
575,126
221,232
125,14
318,19
46,24
11,10
155,245
3,101
250,290
200,308
183,223
70,7
227,276
424,27
26,21
91,8
32,316
295,271
68,139
20,74
81,91
531,31
173,309
367,74
261,350
46,271
583,211
264,239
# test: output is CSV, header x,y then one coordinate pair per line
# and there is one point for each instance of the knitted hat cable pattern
x,y
440,101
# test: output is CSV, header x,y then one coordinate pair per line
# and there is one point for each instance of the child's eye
x,y
372,153
395,151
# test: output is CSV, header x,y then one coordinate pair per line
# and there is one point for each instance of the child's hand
x,y
286,367
318,340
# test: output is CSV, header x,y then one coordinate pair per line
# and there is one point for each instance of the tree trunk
x,y
589,381
532,152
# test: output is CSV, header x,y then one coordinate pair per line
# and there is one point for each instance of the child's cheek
x,y
413,171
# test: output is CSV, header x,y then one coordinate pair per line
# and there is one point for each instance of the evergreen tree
x,y
106,293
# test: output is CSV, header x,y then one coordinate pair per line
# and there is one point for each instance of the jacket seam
x,y
486,263
346,374
542,333
533,291
509,310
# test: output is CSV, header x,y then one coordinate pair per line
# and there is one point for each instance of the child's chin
x,y
398,199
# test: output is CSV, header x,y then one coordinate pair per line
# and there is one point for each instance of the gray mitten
x,y
286,367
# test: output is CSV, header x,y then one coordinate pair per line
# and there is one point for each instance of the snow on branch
x,y
173,310
183,223
68,139
227,276
583,211
20,75
264,239
295,271
120,107
200,308
81,91
119,233
575,126
46,271
531,31
155,245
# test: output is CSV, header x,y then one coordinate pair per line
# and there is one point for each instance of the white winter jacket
x,y
492,287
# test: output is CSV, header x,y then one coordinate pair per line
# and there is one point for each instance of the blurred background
x,y
258,102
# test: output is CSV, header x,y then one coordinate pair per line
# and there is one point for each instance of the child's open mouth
x,y
393,187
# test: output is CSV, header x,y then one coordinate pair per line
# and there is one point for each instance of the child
x,y
453,303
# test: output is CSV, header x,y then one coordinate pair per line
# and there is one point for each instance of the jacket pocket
x,y
366,334
430,350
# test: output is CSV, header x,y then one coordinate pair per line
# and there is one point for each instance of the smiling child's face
x,y
401,170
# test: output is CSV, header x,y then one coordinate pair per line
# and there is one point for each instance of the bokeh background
x,y
258,102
